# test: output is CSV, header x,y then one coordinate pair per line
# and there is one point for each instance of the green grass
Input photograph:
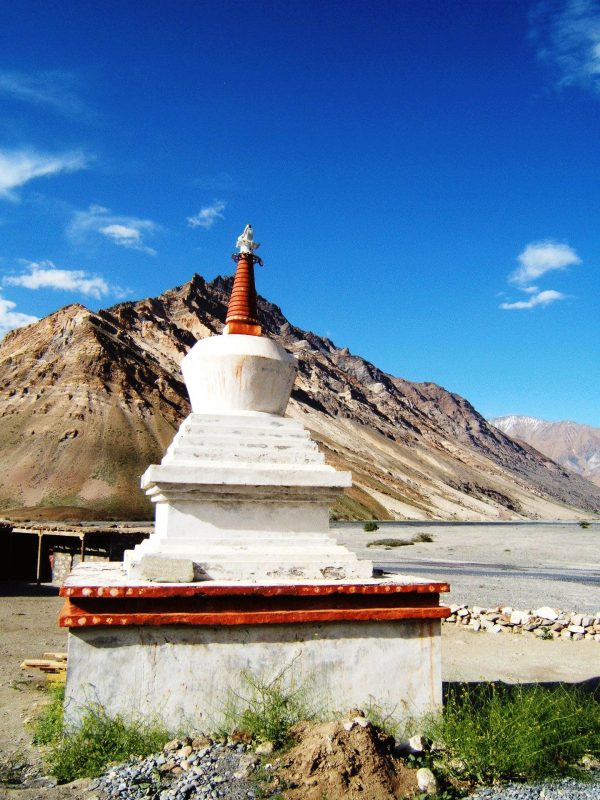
x,y
99,740
492,733
267,710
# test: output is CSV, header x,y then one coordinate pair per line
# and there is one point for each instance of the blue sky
x,y
424,176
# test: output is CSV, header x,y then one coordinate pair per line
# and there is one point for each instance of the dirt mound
x,y
344,760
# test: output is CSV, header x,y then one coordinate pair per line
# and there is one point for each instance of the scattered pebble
x,y
182,772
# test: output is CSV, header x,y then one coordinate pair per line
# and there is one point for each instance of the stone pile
x,y
545,622
186,769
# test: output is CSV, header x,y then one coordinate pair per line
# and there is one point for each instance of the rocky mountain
x,y
568,443
88,400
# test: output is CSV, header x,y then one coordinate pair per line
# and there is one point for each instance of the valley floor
x,y
524,566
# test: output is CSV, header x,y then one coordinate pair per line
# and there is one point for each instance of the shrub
x,y
268,708
99,740
422,537
491,732
584,523
388,543
370,526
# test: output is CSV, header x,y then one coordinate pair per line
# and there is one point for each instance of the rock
x,y
174,744
576,629
201,741
418,744
185,751
347,725
264,749
476,624
427,781
496,629
545,612
362,721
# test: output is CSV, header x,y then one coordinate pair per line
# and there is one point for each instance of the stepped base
x,y
243,496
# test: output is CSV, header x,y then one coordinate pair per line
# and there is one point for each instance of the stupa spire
x,y
242,314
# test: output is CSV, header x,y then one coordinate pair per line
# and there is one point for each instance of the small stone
x,y
545,612
576,629
576,619
185,751
418,744
362,721
347,725
426,781
587,621
476,624
565,634
577,637
496,629
200,742
174,744
462,612
264,749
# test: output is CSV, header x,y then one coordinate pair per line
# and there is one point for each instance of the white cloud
x,y
538,258
18,167
123,231
45,275
207,216
540,299
535,261
567,35
10,319
53,89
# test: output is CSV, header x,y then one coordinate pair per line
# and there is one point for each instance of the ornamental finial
x,y
245,243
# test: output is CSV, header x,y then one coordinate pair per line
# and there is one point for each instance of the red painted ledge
x,y
73,617
209,589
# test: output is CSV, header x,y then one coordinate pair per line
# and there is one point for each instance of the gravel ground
x,y
567,789
185,772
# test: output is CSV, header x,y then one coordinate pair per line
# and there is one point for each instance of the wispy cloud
x,y
567,36
537,259
46,275
539,299
123,231
10,319
207,216
18,167
55,89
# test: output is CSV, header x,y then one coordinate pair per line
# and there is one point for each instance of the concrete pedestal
x,y
179,652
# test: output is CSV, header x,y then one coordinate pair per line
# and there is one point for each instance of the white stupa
x,y
242,493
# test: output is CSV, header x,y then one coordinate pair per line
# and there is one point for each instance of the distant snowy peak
x,y
515,421
573,445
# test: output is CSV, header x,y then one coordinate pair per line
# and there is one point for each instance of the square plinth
x,y
180,653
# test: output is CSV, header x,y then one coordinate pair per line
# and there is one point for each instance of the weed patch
x,y
492,733
389,543
370,526
268,709
99,740
422,537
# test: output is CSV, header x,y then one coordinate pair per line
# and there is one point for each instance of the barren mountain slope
x,y
88,400
573,445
